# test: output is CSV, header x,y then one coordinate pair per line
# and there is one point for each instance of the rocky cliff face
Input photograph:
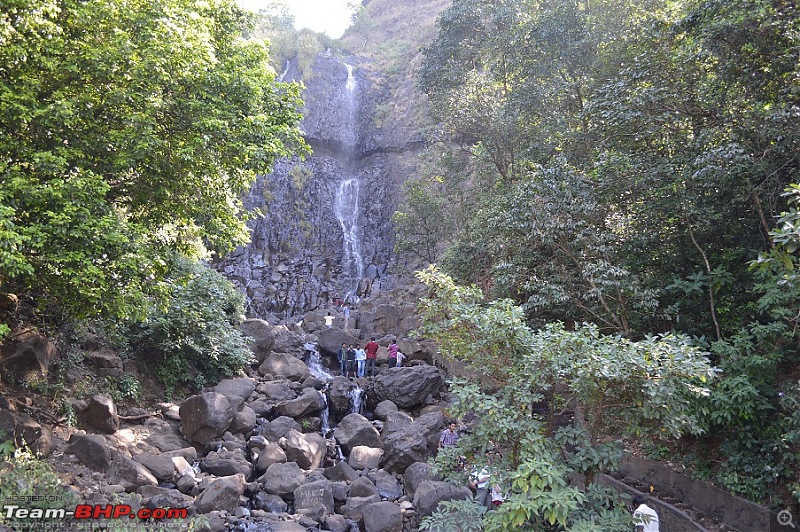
x,y
326,229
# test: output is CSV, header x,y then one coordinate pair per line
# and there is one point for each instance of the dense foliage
x,y
623,163
194,339
616,387
129,132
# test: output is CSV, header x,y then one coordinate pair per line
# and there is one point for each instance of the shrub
x,y
194,337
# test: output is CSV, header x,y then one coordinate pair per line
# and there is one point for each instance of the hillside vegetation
x,y
629,165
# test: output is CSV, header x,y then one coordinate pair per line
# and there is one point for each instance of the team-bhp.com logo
x,y
15,512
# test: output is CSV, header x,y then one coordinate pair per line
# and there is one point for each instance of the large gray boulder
x,y
383,517
408,387
243,421
354,507
237,390
412,443
330,340
272,453
287,341
339,400
310,402
383,408
101,413
221,494
277,390
387,485
129,474
91,450
278,427
205,417
282,479
225,463
363,457
416,474
284,365
355,430
261,333
395,421
362,487
307,450
314,498
430,493
24,430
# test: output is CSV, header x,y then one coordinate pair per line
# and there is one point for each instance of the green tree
x,y
129,131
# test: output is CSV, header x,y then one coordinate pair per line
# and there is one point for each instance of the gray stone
x,y
363,457
131,475
272,453
310,402
336,523
396,421
25,430
362,487
341,471
307,450
313,496
105,363
91,450
387,484
101,414
277,390
261,333
383,408
354,507
282,479
240,387
355,430
243,421
221,494
383,517
159,465
412,443
205,417
278,427
284,365
416,474
269,502
225,463
430,493
408,387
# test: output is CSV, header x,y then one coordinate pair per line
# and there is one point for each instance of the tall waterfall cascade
x,y
346,202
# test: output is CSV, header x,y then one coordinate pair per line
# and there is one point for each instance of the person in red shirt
x,y
372,355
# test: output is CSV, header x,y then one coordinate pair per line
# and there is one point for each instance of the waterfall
x,y
346,202
346,209
314,363
285,71
357,405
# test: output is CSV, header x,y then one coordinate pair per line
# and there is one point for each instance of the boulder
x,y
284,365
383,517
241,387
338,395
165,435
105,363
309,402
25,430
101,413
314,498
205,417
430,493
261,333
161,466
282,479
28,355
278,427
269,502
243,421
277,390
354,507
129,474
412,443
387,484
91,450
287,341
408,387
221,494
383,408
341,471
330,340
307,450
225,463
362,487
272,453
355,430
416,474
363,457
396,421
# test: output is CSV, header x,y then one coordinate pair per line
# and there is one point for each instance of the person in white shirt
x,y
329,321
646,519
361,360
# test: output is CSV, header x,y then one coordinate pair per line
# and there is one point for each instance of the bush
x,y
194,338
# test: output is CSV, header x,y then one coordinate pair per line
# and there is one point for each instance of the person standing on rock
x,y
372,356
361,359
346,312
393,349
351,361
329,321
449,437
342,357
645,518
